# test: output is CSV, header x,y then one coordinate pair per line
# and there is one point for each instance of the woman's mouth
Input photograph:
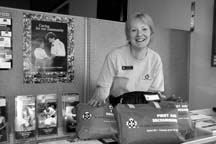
x,y
140,39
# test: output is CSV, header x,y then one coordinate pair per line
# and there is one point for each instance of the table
x,y
202,136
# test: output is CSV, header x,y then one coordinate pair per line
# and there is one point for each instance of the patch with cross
x,y
131,123
86,116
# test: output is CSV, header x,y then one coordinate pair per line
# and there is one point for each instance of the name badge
x,y
127,67
152,97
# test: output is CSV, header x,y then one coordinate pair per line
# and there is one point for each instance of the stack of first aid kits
x,y
162,122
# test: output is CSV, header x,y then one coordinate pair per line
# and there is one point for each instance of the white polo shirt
x,y
123,73
58,48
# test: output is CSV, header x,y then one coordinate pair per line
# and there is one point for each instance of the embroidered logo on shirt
x,y
147,77
127,67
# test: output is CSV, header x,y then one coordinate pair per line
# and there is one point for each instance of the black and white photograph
x,y
47,114
49,45
108,71
48,49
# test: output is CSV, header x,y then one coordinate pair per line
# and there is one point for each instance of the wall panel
x,y
11,81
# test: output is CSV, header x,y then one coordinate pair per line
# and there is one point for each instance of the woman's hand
x,y
96,101
99,97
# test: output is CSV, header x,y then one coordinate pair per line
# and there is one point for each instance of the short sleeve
x,y
158,79
107,72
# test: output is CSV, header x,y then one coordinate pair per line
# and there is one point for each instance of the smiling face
x,y
139,34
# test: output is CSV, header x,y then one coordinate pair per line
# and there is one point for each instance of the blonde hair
x,y
145,18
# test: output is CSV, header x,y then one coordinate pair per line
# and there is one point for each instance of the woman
x,y
132,67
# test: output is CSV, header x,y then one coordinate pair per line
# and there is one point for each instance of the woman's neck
x,y
138,53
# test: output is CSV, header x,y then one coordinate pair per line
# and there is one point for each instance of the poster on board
x,y
3,120
48,51
69,102
25,122
47,114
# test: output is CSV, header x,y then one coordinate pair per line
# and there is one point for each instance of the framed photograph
x,y
69,102
5,43
3,120
48,48
25,122
47,114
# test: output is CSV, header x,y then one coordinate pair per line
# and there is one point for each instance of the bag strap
x,y
156,104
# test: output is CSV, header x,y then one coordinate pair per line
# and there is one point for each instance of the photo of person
x,y
58,52
50,114
42,61
25,121
47,114
49,45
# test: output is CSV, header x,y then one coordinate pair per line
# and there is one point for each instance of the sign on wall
x,y
48,48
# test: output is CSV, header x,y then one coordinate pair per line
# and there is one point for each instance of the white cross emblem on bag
x,y
86,115
131,123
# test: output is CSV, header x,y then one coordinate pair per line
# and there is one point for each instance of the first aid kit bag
x,y
152,123
95,122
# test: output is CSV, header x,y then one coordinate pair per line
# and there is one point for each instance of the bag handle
x,y
156,104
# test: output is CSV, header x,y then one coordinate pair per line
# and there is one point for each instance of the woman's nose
x,y
139,32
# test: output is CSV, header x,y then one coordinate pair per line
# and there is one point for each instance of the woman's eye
x,y
144,29
133,30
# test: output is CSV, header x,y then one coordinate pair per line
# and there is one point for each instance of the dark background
x,y
115,10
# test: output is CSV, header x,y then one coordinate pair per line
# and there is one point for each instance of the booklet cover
x,y
207,125
25,117
47,114
69,102
3,120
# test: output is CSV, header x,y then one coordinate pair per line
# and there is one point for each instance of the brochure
x,y
47,114
25,117
69,102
